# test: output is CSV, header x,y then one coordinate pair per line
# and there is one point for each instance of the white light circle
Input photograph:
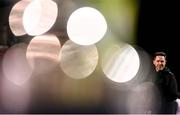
x,y
78,61
86,26
121,64
39,16
15,17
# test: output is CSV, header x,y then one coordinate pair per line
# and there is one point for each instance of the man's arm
x,y
173,89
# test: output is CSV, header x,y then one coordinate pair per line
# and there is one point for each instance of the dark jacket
x,y
167,85
166,82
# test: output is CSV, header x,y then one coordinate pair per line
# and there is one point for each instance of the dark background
x,y
158,30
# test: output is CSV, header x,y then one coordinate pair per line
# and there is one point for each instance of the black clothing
x,y
167,85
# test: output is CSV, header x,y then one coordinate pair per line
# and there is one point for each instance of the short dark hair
x,y
159,54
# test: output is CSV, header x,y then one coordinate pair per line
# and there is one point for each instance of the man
x,y
166,83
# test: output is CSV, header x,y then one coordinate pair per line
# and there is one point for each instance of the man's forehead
x,y
160,58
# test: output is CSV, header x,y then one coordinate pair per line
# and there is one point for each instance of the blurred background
x,y
44,71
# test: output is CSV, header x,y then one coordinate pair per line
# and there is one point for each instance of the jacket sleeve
x,y
172,88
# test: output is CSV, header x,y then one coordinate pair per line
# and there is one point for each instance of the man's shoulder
x,y
168,72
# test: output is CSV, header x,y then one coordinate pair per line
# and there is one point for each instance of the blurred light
x,y
148,99
14,99
15,65
43,53
16,17
121,16
178,108
121,63
75,93
78,61
86,26
40,16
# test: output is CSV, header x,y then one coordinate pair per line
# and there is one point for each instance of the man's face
x,y
159,62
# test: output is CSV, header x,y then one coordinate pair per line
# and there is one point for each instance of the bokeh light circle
x,y
86,26
43,53
16,17
15,66
78,61
39,16
121,63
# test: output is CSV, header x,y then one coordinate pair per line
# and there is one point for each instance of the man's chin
x,y
159,69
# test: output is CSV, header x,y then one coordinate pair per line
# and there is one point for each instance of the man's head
x,y
159,60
